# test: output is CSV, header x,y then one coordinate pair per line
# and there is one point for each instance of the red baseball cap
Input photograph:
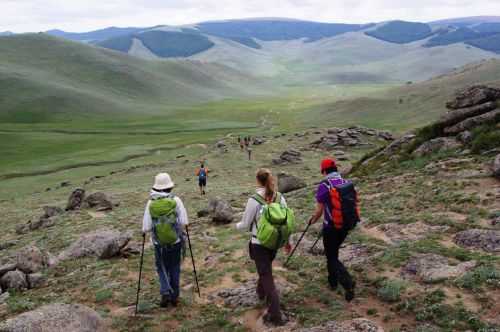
x,y
328,163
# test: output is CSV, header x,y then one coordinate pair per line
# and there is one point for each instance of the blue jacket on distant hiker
x,y
164,217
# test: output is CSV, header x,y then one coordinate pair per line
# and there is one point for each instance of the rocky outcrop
x,y
15,280
487,240
472,96
392,149
354,325
353,136
458,115
75,200
101,244
220,211
432,268
31,260
471,123
435,145
98,201
496,167
288,183
56,318
288,157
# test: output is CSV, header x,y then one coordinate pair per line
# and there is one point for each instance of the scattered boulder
x,y
14,280
432,268
31,259
7,268
41,223
288,157
51,211
288,183
220,144
396,233
436,145
99,201
75,200
203,213
56,318
258,141
474,95
244,295
455,116
220,211
8,244
354,325
487,240
465,137
35,280
496,167
102,244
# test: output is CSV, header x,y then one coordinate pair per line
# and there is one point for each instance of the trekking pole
x,y
192,260
140,274
316,242
309,223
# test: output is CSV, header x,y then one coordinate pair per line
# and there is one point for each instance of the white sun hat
x,y
163,181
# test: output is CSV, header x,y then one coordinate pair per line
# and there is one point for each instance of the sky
x,y
86,15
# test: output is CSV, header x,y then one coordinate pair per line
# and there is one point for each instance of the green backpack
x,y
164,215
276,223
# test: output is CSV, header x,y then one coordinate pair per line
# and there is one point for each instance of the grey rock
x,y
75,200
432,268
393,148
472,96
56,318
453,117
435,145
51,211
101,244
35,280
22,229
8,244
288,183
258,141
354,325
41,223
220,144
471,123
31,259
7,268
288,157
220,211
14,280
396,233
203,213
98,201
487,240
465,137
496,167
244,295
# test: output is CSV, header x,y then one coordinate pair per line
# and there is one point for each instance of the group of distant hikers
x,y
245,143
270,222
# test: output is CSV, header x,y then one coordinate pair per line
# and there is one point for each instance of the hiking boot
x,y
174,303
333,285
349,293
274,321
165,300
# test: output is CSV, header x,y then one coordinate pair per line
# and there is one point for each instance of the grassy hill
x,y
401,32
45,79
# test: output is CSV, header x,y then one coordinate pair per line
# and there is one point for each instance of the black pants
x,y
266,289
337,273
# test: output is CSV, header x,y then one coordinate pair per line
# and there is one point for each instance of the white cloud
x,y
84,15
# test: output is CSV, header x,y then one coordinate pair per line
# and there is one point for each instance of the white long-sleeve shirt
x,y
182,217
251,217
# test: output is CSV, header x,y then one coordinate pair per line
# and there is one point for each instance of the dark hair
x,y
202,165
331,170
266,179
166,191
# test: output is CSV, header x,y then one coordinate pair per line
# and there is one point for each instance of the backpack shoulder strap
x,y
259,199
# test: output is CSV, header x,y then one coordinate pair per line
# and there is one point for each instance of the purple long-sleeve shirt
x,y
323,196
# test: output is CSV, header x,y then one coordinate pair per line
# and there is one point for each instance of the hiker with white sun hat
x,y
164,217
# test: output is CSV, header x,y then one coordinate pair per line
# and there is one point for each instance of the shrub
x,y
390,291
484,274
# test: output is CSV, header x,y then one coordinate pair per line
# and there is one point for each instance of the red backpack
x,y
345,205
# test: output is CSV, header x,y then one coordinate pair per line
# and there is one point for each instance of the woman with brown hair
x,y
263,257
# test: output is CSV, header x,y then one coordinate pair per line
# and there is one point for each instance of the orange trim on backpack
x,y
337,217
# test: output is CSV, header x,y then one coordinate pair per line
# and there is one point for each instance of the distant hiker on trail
x,y
242,144
249,151
165,217
337,200
202,174
247,141
271,223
